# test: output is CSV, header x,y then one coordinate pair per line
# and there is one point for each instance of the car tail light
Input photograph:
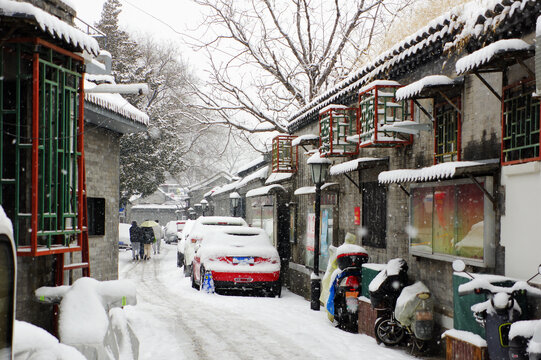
x,y
226,259
195,239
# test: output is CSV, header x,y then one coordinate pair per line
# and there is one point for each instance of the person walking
x,y
136,237
148,236
158,234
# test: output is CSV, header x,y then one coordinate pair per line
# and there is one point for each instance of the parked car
x,y
173,230
239,258
195,233
124,236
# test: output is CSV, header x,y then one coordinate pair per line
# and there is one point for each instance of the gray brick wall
x,y
102,179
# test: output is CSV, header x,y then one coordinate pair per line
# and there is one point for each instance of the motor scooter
x,y
405,312
499,314
346,286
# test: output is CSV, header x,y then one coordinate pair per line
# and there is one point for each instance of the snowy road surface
x,y
174,321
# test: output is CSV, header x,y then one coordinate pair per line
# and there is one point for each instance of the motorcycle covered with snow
x,y
405,312
346,286
507,335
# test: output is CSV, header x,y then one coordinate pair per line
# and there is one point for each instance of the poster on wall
x,y
310,232
325,238
324,226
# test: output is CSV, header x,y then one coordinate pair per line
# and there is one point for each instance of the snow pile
x,y
299,140
408,301
484,55
32,342
534,346
51,24
349,166
84,305
466,336
305,190
415,88
264,190
524,328
434,172
224,189
278,177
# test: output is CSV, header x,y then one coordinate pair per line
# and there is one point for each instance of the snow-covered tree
x,y
269,58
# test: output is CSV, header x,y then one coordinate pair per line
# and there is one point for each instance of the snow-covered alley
x,y
174,321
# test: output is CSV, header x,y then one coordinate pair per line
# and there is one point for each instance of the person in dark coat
x,y
136,237
148,239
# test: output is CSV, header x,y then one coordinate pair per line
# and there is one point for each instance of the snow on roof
x,y
129,89
415,88
484,55
256,161
278,177
460,21
264,190
51,24
378,83
224,188
299,140
259,174
117,104
332,106
350,166
434,172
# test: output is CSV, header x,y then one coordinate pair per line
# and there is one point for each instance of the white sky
x,y
183,15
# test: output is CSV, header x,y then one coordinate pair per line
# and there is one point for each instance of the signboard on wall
x,y
357,212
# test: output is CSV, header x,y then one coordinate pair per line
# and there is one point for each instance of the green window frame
x,y
58,158
520,123
447,132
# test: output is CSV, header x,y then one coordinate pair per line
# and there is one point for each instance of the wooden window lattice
x,y
376,121
447,121
336,124
284,155
520,123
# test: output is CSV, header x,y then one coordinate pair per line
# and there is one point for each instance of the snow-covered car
x,y
238,258
173,230
195,233
124,236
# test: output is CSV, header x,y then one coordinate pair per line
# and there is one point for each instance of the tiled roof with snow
x,y
257,161
483,20
259,174
485,54
50,24
415,88
349,166
278,177
431,173
304,138
112,101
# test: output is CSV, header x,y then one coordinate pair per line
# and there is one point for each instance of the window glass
x,y
448,220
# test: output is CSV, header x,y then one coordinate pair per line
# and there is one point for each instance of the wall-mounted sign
x,y
357,211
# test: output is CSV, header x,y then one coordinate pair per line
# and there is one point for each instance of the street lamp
x,y
204,205
191,212
319,169
234,197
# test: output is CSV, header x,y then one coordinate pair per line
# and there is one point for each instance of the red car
x,y
238,258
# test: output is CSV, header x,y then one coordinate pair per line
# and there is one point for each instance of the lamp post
x,y
234,198
191,213
204,206
319,169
